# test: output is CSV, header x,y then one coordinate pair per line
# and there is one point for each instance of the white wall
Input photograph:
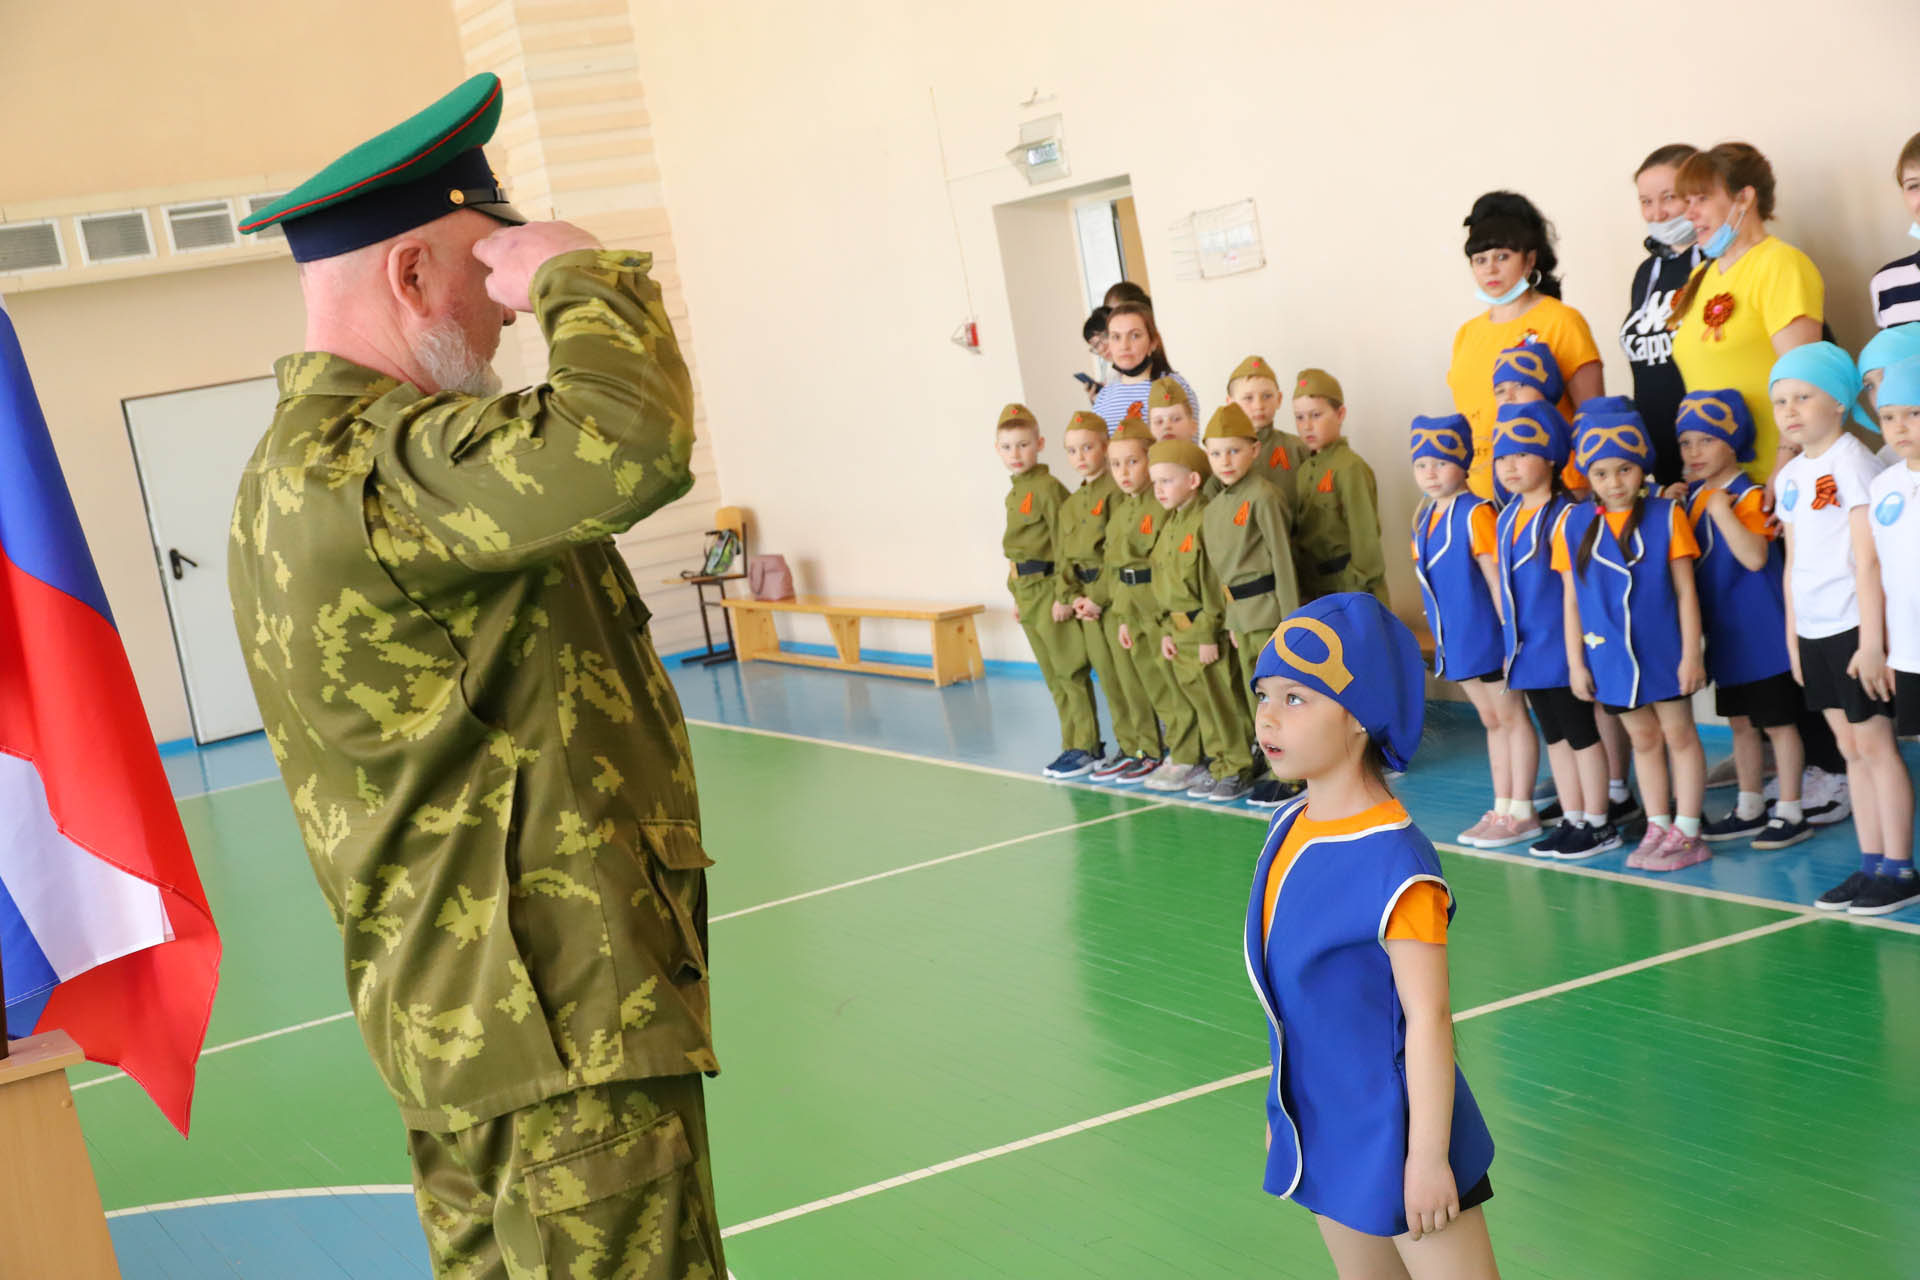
x,y
802,165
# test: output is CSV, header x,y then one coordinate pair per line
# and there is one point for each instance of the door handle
x,y
175,560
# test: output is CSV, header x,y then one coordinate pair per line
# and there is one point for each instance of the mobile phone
x,y
1089,383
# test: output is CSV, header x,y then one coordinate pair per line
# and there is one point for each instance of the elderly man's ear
x,y
406,263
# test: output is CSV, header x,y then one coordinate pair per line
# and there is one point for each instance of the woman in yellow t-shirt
x,y
1756,298
1510,248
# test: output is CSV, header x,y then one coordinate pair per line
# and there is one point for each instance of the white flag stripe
x,y
82,910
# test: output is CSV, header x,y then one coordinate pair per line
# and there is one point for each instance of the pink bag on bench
x,y
769,578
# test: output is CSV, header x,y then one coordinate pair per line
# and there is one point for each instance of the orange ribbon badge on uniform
x,y
1186,544
1026,504
1280,459
1146,525
1240,516
1825,493
1326,483
1100,507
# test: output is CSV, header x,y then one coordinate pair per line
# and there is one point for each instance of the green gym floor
x,y
974,1024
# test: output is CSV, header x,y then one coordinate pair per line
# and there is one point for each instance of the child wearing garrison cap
x,y
1531,443
1134,619
1255,387
1337,526
1894,503
1370,1123
1245,529
1457,562
1633,631
1743,611
1190,600
1170,412
1031,546
1087,591
1836,614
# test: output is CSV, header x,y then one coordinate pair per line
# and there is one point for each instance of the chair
x,y
726,520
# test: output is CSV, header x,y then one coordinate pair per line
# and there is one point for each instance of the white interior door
x,y
190,447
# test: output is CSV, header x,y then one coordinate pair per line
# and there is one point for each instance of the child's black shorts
x,y
1769,703
1612,710
1479,1193
1906,703
1564,718
1823,665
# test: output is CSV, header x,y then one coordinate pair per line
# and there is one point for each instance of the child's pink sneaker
x,y
1512,831
1475,835
1677,851
1649,846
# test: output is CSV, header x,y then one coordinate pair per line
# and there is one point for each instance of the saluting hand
x,y
513,254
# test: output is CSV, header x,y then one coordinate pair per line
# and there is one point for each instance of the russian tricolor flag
x,y
104,929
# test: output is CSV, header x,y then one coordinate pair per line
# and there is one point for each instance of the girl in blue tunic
x,y
1369,1122
1456,559
1633,627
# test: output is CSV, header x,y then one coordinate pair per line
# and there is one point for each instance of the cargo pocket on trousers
x,y
630,1205
676,869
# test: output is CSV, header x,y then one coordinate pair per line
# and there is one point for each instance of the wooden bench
x,y
956,645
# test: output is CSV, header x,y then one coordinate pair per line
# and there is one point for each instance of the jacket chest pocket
x,y
676,870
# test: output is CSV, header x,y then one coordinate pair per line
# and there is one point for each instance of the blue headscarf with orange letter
x,y
1325,644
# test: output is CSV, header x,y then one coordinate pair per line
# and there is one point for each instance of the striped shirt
x,y
1895,290
1117,397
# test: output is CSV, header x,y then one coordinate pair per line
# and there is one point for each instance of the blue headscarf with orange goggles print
x,y
1531,364
1535,428
1720,414
1449,438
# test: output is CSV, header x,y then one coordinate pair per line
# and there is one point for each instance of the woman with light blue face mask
x,y
1509,250
1895,288
1754,299
1672,256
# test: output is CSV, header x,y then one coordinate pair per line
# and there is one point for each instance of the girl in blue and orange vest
x,y
1743,610
1456,559
1633,627
1369,1122
1531,443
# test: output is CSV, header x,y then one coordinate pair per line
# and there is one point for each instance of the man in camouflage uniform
x,y
487,762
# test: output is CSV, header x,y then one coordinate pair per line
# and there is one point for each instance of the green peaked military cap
x,y
426,167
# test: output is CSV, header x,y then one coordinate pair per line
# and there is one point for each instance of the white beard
x,y
450,360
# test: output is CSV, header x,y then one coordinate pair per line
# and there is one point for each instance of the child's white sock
x,y
1660,820
1502,808
1616,791
1689,827
1752,805
1596,820
1788,811
1521,809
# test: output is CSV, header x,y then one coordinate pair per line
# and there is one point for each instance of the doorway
x,y
189,448
1059,253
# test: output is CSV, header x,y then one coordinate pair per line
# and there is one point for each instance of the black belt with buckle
x,y
1086,575
1137,577
1248,590
1027,568
1334,565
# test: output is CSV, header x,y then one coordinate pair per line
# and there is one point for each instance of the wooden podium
x,y
51,1223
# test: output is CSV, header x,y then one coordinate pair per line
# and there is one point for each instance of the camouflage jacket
x,y
488,765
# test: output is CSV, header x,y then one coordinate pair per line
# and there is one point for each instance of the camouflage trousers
x,y
610,1182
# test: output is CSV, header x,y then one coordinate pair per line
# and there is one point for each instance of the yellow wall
x,y
91,347
802,162
123,96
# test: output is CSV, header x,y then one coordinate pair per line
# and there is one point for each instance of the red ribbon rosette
x,y
1718,311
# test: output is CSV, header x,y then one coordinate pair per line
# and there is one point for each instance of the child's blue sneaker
x,y
1072,764
1885,894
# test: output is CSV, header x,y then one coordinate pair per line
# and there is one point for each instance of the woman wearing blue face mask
x,y
1756,298
1672,256
1895,288
1510,251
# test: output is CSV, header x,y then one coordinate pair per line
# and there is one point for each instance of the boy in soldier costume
x,y
1086,588
1031,544
1135,614
487,763
1191,601
1255,387
1247,543
1337,525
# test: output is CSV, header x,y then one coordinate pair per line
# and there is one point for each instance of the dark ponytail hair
x,y
1592,536
1730,167
1508,220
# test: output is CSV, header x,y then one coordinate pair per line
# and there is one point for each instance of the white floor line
x,y
1232,1081
235,1044
246,1197
730,915
934,862
1240,811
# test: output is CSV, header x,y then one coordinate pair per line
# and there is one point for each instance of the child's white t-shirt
x,y
1893,512
1816,497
